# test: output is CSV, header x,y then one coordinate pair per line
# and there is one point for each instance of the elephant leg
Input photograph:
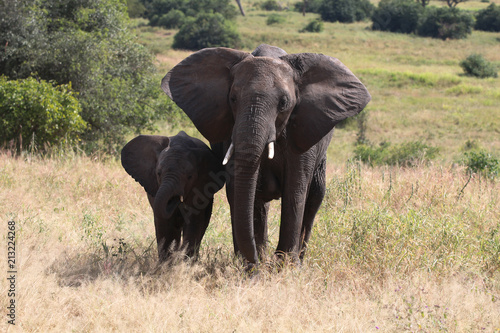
x,y
195,225
260,226
315,197
292,214
168,235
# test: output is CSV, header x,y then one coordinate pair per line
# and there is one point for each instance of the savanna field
x,y
394,248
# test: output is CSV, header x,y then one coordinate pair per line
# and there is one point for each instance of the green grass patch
x,y
410,79
407,154
464,89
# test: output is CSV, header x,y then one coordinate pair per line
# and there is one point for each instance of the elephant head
x,y
175,170
253,100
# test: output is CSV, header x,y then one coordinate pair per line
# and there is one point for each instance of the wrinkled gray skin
x,y
171,170
293,100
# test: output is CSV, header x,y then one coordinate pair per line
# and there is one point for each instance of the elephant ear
x,y
139,159
328,93
200,86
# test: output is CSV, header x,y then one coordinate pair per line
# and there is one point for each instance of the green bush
x,y
313,26
206,30
172,20
488,19
29,108
482,162
346,11
275,19
476,65
397,16
406,154
270,5
87,43
446,23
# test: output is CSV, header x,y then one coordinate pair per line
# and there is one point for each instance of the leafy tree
x,y
346,11
397,16
206,30
488,19
446,23
32,109
85,43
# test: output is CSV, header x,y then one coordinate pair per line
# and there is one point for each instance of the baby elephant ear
x,y
328,93
139,158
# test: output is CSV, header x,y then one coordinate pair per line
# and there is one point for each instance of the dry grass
x,y
392,250
87,259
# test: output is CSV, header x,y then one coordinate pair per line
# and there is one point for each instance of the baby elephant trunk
x,y
168,226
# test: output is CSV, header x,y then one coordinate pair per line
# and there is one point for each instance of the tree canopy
x,y
85,43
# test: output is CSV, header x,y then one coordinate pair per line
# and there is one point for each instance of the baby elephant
x,y
180,175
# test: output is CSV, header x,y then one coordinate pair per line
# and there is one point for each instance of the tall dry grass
x,y
392,250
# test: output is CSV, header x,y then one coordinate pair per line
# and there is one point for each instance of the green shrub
x,y
397,16
406,154
476,65
172,20
275,19
29,108
482,162
313,26
446,23
270,5
206,30
346,11
488,19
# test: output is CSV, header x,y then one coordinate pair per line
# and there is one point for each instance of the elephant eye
x,y
283,103
233,99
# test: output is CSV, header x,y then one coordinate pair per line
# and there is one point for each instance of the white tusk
x,y
228,154
182,198
271,150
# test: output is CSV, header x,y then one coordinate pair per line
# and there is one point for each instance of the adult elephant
x,y
180,174
258,102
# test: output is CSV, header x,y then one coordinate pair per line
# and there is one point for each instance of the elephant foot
x,y
283,259
253,271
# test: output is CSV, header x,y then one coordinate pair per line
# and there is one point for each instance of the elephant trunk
x,y
167,199
168,233
250,139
